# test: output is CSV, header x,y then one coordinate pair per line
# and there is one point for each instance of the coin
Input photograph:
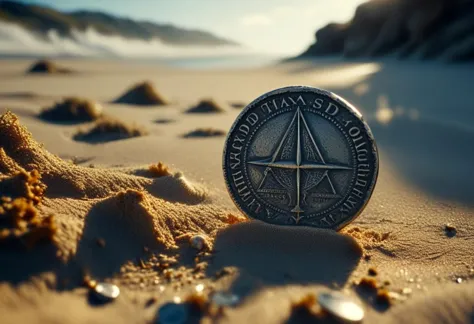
x,y
300,156
341,306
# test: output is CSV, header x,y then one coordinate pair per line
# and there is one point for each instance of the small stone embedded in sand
x,y
458,280
372,272
450,230
341,306
73,109
106,130
384,297
197,242
142,94
47,67
159,170
205,132
151,301
206,106
173,313
368,283
106,292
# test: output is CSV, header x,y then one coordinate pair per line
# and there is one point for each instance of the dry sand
x,y
119,221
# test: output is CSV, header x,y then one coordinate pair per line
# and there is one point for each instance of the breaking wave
x,y
16,40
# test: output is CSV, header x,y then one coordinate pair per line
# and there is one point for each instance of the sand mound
x,y
142,94
206,106
107,130
205,132
125,213
19,150
47,67
159,170
73,110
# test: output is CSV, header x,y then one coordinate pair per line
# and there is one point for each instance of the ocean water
x,y
218,62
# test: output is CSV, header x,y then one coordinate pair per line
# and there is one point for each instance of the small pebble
x,y
372,271
106,291
197,242
173,313
221,298
199,288
450,230
342,306
459,280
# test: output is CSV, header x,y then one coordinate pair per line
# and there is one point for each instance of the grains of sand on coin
x,y
341,306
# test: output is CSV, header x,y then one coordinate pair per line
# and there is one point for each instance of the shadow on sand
x,y
277,255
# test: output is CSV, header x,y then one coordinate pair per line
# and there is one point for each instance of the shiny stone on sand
x,y
106,291
342,306
197,242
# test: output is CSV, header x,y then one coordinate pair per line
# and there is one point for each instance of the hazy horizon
x,y
283,28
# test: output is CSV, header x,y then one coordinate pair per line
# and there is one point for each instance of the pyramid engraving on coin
x,y
297,161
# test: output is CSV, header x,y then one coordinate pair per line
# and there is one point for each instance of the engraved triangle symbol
x,y
288,157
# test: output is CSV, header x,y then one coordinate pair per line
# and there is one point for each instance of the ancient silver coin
x,y
300,156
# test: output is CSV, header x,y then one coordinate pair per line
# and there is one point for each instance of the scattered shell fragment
x,y
106,291
342,306
173,313
221,298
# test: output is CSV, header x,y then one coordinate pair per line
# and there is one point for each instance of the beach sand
x,y
116,220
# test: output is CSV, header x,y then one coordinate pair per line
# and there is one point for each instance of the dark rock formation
x,y
426,29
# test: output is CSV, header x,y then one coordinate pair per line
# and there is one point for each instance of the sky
x,y
278,27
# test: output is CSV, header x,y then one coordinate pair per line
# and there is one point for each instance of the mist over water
x,y
17,41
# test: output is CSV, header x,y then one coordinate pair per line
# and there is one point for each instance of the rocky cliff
x,y
40,20
423,29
